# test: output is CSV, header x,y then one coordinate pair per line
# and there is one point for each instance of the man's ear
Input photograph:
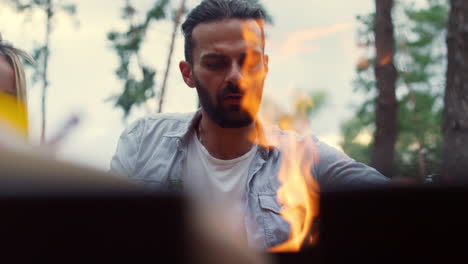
x,y
186,71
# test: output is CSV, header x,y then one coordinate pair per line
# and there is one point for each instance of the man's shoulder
x,y
167,117
164,121
160,124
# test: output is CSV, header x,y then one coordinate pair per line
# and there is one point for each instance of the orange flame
x,y
363,63
298,192
254,69
300,41
386,60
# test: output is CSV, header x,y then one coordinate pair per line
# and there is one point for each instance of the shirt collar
x,y
188,128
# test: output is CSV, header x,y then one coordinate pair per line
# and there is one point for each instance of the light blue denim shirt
x,y
153,151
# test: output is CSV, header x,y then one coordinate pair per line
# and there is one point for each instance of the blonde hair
x,y
13,56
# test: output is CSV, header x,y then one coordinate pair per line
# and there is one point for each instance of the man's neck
x,y
225,143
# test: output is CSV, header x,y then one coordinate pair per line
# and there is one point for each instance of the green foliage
x,y
420,60
135,91
311,104
127,45
38,54
41,53
50,8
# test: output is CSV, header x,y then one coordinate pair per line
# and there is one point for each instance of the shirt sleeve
x,y
125,157
335,169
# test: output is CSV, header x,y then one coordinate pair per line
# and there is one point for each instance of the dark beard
x,y
232,116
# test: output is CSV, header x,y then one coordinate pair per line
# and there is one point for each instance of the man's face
x,y
229,69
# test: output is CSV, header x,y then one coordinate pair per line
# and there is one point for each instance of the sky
x,y
311,45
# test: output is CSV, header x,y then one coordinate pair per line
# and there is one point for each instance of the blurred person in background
x,y
223,152
13,91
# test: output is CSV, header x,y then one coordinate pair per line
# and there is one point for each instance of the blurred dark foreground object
x,y
57,212
89,228
114,227
394,224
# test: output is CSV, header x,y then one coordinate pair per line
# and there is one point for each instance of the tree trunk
x,y
45,81
177,20
386,106
455,119
421,161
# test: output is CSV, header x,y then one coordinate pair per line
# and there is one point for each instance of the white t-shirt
x,y
221,182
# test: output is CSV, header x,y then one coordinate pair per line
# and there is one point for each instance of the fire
x,y
298,41
253,69
386,60
363,63
298,193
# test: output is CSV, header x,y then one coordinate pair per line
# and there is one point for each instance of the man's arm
x,y
125,157
336,169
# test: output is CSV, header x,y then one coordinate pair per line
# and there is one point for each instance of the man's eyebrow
x,y
213,56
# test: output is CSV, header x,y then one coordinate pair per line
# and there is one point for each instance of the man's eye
x,y
253,62
216,65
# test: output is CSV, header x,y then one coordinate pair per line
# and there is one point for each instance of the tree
x,y
419,59
41,53
177,19
386,104
127,44
455,115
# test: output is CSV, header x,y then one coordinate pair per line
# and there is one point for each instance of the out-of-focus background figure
x,y
13,89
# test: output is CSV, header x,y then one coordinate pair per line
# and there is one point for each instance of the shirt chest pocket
x,y
275,227
150,184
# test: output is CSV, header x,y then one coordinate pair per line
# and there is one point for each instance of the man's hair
x,y
13,55
217,10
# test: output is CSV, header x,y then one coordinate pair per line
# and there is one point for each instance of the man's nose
x,y
234,74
